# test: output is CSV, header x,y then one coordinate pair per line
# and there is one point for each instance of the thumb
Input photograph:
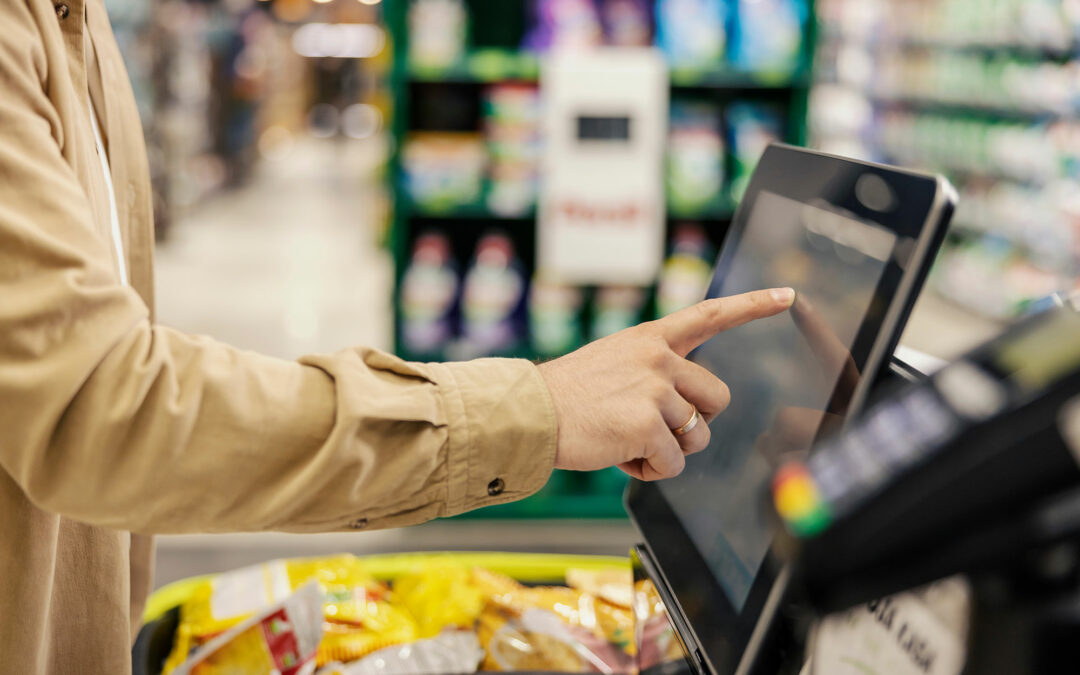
x,y
688,328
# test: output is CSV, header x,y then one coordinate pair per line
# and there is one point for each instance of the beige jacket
x,y
111,424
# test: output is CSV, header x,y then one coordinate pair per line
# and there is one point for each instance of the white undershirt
x,y
114,218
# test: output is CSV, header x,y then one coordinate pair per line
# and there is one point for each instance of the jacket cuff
x,y
502,431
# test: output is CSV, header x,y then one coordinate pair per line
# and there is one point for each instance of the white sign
x,y
601,210
922,632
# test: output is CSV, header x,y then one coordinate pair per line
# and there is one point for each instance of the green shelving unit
x,y
496,29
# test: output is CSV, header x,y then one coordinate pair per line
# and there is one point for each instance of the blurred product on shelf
x,y
1021,151
1045,25
988,274
999,82
512,128
692,33
687,271
627,23
556,325
987,93
429,290
438,32
615,308
562,24
768,35
443,170
752,126
695,158
493,314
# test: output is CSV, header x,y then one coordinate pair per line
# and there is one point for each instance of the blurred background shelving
x,y
467,133
986,92
465,174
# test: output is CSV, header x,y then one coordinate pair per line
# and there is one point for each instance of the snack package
x,y
440,596
279,639
358,616
551,628
658,641
453,651
615,585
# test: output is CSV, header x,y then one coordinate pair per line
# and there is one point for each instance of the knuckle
x,y
644,425
656,353
709,310
723,396
678,463
702,440
659,390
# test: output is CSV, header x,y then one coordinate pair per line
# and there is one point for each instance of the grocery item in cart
x,y
553,628
453,651
279,639
358,617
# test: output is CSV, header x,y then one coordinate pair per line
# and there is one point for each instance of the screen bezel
x,y
923,204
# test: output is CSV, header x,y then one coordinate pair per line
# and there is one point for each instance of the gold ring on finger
x,y
690,423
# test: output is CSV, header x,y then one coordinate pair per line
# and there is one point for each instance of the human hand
x,y
618,399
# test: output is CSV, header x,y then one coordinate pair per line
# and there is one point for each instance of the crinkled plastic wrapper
x,y
358,616
453,651
280,639
552,628
655,635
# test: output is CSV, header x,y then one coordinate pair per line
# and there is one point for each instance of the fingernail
x,y
784,296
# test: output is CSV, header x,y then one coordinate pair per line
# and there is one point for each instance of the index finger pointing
x,y
688,328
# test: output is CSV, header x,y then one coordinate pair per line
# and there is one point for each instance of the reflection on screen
x,y
782,371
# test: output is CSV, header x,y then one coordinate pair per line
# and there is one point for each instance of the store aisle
x,y
288,264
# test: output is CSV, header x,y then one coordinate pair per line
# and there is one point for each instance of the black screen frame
x,y
922,206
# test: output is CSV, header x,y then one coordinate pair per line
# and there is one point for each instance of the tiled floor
x,y
288,264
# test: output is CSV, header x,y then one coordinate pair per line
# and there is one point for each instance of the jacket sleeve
x,y
112,420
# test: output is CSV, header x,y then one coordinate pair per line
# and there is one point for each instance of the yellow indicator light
x,y
796,497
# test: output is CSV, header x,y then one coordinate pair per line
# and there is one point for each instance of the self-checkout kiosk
x,y
928,523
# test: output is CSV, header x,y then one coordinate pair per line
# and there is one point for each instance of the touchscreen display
x,y
789,375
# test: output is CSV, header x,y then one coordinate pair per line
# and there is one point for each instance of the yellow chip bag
x,y
552,628
280,639
358,614
440,595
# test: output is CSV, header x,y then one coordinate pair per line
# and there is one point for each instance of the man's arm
x,y
111,420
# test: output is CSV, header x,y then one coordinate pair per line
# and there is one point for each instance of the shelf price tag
x,y
601,212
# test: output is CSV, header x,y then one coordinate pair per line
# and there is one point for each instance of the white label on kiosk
x,y
601,210
921,632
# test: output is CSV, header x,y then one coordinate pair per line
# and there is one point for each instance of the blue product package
x,y
767,35
692,33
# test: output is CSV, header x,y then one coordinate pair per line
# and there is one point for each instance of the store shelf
x,y
722,208
874,41
729,78
933,105
480,67
473,211
491,66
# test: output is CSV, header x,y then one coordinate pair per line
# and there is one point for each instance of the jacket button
x,y
358,524
496,487
62,11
